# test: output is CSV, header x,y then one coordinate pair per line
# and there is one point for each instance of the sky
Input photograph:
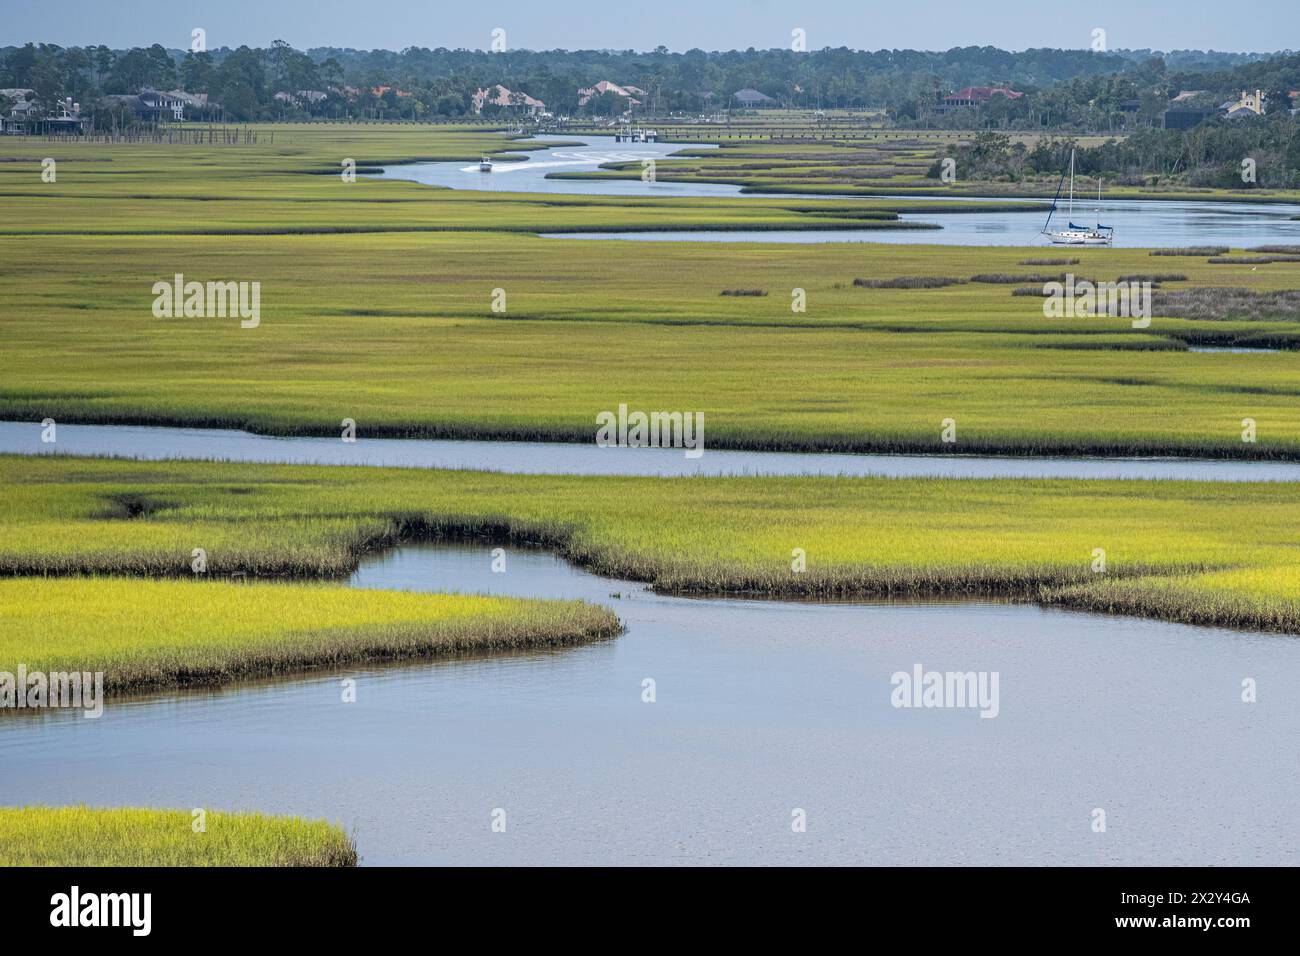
x,y
1267,26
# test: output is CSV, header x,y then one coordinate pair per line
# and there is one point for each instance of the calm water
x,y
762,707
1137,223
150,443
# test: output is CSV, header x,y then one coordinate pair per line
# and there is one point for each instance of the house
x,y
151,104
24,117
160,102
197,101
498,95
24,106
66,118
629,93
1247,104
973,97
301,98
750,98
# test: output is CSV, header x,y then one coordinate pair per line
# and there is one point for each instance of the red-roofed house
x,y
500,96
973,97
629,93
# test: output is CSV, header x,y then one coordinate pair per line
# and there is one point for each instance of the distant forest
x,y
1069,90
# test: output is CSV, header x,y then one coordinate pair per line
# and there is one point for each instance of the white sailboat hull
x,y
1069,238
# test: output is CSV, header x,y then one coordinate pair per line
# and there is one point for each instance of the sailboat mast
x,y
1071,183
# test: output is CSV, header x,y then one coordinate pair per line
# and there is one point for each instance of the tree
x,y
331,73
103,59
19,65
1277,102
197,72
449,104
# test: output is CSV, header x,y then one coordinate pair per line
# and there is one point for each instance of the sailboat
x,y
1098,235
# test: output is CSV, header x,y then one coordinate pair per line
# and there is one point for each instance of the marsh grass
x,y
147,635
426,356
1252,599
1227,303
1250,260
1191,251
908,282
867,536
1002,278
81,836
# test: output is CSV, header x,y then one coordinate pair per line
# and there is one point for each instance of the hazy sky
x,y
1265,25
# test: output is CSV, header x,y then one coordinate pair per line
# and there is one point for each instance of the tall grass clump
x,y
1003,278
82,836
908,282
1250,260
1153,277
1220,304
1191,251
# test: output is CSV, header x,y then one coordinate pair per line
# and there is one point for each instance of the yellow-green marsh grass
x,y
85,836
149,634
861,536
397,332
1265,598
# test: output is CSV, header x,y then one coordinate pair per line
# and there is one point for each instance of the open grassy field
x,y
146,635
84,836
397,332
1194,551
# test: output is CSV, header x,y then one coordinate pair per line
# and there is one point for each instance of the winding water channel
x,y
1138,223
761,708
150,443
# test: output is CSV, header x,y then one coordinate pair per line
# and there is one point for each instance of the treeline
x,y
1067,88
1230,154
1133,99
